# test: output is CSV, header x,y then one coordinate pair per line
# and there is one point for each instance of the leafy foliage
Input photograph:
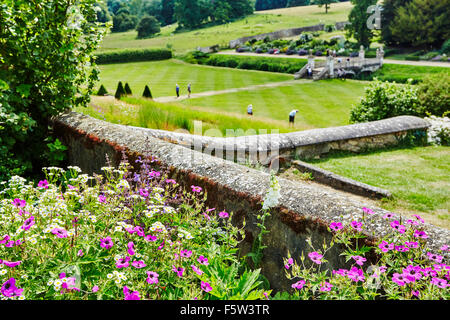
x,y
147,27
358,22
45,68
133,55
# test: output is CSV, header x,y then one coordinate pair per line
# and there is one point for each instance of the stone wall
x,y
304,211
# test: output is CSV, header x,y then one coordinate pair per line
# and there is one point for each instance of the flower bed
x,y
116,236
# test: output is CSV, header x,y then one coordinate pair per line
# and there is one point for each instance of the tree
x,y
326,3
358,22
102,12
167,11
187,13
388,14
147,93
240,8
123,21
297,3
46,67
102,91
128,89
120,91
147,27
422,23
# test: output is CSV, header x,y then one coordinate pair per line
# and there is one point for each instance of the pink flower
x,y
356,274
43,184
420,234
206,286
223,214
152,277
172,181
412,273
179,271
106,243
60,233
154,174
401,248
444,248
186,253
28,223
161,245
434,257
367,210
95,289
400,279
9,289
359,260
130,247
80,253
356,225
19,203
419,218
397,226
11,264
130,295
298,285
203,260
290,262
101,199
385,246
315,257
143,193
196,189
335,226
415,293
139,231
150,238
412,244
441,283
326,286
389,215
123,262
138,264
196,270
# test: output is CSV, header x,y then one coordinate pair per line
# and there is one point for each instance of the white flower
x,y
273,194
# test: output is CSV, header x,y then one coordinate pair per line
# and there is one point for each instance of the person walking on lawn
x,y
189,90
177,88
250,110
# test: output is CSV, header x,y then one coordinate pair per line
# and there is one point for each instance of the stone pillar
x,y
311,59
381,56
330,66
362,55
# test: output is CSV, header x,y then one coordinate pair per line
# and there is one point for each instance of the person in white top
x,y
250,110
292,117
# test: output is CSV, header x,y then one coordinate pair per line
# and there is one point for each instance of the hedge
x,y
133,55
282,65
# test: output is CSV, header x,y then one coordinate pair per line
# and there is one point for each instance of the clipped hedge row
x,y
133,55
282,65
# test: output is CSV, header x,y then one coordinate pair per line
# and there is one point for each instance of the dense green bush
x,y
446,47
433,93
257,63
133,55
120,91
147,27
45,50
102,91
127,89
385,100
147,93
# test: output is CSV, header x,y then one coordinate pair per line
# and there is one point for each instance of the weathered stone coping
x,y
291,140
339,182
304,211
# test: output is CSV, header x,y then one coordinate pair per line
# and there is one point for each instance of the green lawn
x,y
400,73
321,104
162,76
255,24
419,178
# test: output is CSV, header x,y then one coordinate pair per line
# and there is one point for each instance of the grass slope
x,y
260,22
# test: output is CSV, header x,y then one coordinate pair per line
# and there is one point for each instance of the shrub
x,y
127,89
147,93
42,74
133,55
102,91
433,94
147,27
446,47
385,100
120,91
412,58
439,132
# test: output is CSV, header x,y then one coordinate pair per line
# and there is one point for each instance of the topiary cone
x,y
147,93
127,89
102,91
120,91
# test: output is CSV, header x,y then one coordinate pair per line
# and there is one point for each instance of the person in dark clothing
x,y
177,88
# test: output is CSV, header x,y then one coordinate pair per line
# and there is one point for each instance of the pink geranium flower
x,y
186,253
43,184
412,273
434,257
206,286
9,289
385,246
203,260
11,264
367,210
101,199
356,225
420,234
326,286
223,214
197,270
28,223
106,243
60,233
397,226
178,270
356,274
359,260
130,247
130,295
440,283
138,264
389,215
290,262
335,226
123,262
152,277
196,189
19,203
400,279
298,285
95,289
150,238
411,244
315,257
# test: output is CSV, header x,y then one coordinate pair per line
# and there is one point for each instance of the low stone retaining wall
x,y
285,33
265,148
341,183
304,211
